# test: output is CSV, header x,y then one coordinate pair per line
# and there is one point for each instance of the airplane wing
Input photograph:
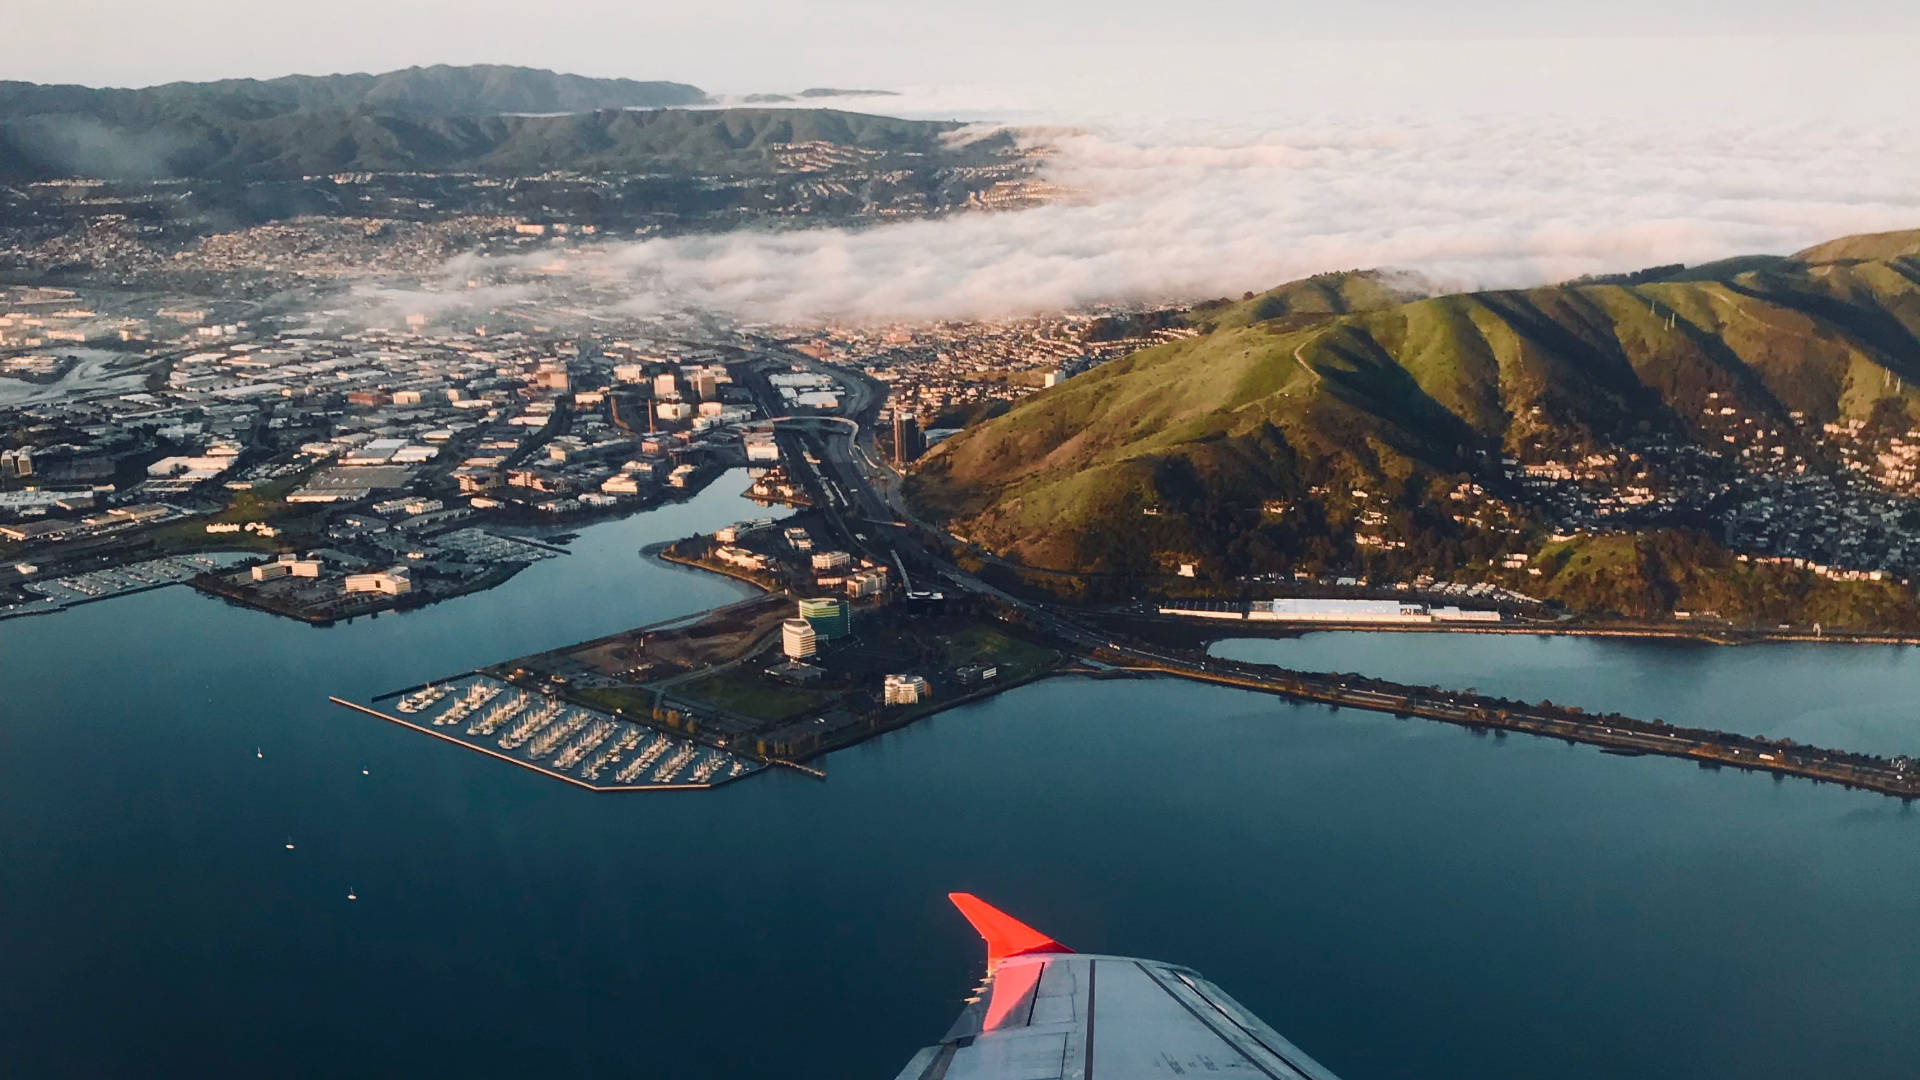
x,y
1049,1013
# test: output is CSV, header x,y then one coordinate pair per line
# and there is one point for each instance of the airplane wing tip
x,y
1005,935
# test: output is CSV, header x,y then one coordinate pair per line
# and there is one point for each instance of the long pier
x,y
1899,778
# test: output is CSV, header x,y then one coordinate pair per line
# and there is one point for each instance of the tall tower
x,y
908,443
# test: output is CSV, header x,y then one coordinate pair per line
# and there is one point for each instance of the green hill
x,y
1303,302
1865,248
1251,448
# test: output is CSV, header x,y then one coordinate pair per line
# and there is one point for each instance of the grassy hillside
x,y
1869,246
1249,448
1302,302
1651,575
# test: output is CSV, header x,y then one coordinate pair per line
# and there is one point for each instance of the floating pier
x,y
555,737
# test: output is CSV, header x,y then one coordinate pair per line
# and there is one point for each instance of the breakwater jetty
x,y
1897,776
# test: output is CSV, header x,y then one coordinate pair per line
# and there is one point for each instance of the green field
x,y
612,699
984,644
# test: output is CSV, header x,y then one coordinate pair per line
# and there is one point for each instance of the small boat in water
x,y
257,753
289,843
350,893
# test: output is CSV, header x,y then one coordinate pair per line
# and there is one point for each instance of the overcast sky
x,y
738,45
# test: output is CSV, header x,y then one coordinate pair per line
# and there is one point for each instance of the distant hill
x,y
1297,397
473,90
815,92
510,121
1309,300
1305,301
1869,246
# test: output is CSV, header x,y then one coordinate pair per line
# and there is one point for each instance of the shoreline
x,y
1621,734
1209,631
1616,734
663,552
494,577
529,531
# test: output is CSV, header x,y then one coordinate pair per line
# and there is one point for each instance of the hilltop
x,y
1337,425
1867,247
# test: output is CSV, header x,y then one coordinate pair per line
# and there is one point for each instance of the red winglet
x,y
1005,935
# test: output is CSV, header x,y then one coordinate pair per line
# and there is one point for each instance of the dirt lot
x,y
713,640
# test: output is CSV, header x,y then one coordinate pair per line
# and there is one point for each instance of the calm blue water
x,y
1856,698
1402,899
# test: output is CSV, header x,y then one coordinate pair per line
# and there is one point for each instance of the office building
x,y
827,615
797,639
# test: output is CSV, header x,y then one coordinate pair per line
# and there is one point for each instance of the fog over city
x,y
1179,213
1501,147
1471,164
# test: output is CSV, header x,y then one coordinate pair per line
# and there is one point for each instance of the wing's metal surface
x,y
1056,1015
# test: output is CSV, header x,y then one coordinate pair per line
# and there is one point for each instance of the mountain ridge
x,y
1269,444
436,90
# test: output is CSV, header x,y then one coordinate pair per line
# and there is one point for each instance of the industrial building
x,y
760,446
395,582
287,565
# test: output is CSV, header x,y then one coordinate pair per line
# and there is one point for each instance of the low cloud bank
x,y
1185,212
1178,215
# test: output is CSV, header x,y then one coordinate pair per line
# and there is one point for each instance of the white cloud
x,y
1186,211
1212,172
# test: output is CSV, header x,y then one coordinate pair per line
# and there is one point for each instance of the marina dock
x,y
582,746
58,594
